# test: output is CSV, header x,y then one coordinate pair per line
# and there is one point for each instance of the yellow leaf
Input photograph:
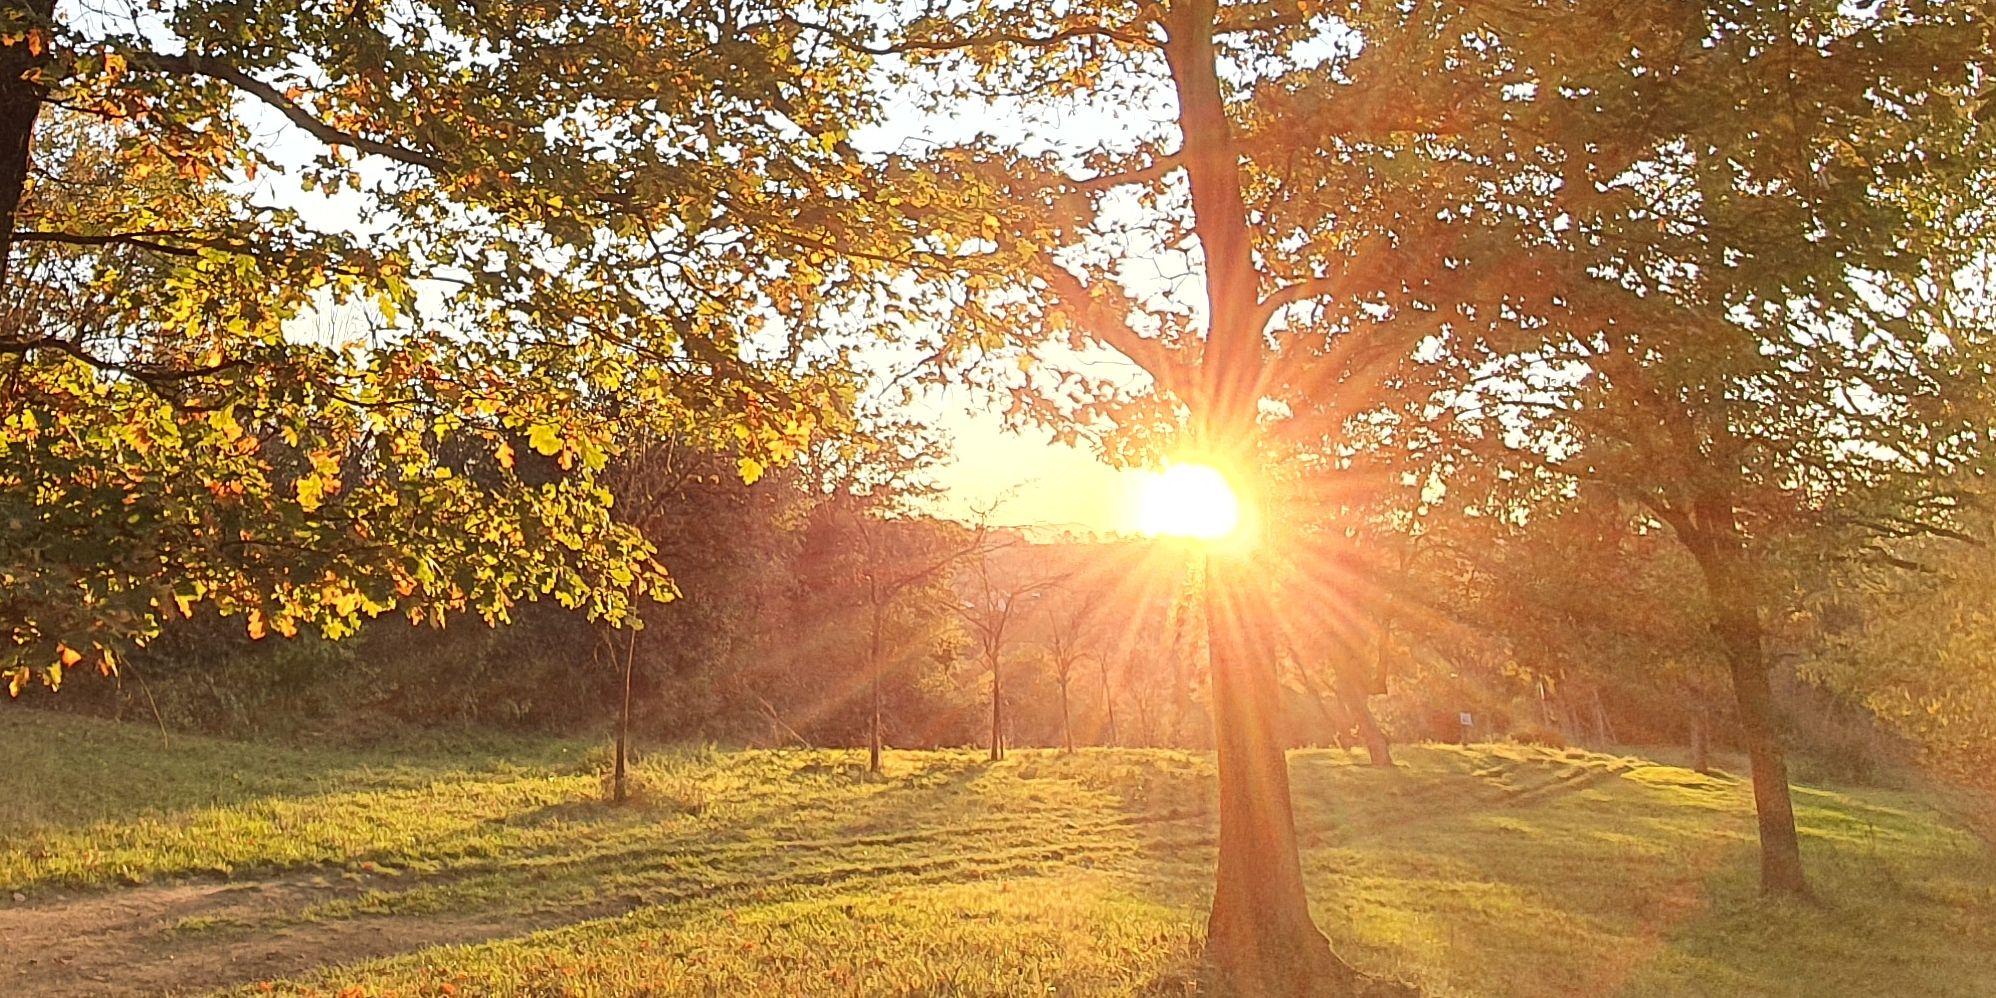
x,y
69,656
505,454
224,420
750,470
256,628
544,439
311,492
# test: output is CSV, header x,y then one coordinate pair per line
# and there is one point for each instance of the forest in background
x,y
1570,629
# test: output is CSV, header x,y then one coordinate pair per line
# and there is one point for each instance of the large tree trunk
x,y
20,105
1260,935
1736,620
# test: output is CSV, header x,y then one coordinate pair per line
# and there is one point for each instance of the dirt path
x,y
192,937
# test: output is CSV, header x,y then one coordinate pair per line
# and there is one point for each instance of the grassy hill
x,y
495,868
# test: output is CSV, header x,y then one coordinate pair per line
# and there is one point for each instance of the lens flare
x,y
1187,500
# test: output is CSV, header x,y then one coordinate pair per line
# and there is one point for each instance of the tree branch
x,y
1101,321
1129,35
193,64
142,240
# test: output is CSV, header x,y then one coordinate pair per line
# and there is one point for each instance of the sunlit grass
x,y
1491,870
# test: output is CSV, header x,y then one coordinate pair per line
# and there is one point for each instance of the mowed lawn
x,y
497,868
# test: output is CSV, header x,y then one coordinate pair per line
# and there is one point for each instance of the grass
x,y
496,868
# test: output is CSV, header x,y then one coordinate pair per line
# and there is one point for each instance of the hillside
x,y
494,868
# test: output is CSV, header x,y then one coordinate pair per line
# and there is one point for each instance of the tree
x,y
992,596
1710,275
1070,638
606,207
895,560
1913,647
1208,374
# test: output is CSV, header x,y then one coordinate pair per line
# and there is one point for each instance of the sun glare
x,y
1188,500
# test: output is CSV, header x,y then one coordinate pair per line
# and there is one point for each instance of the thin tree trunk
x,y
624,719
873,666
1330,708
997,714
1109,701
1603,731
1736,619
1066,721
1260,935
20,106
873,731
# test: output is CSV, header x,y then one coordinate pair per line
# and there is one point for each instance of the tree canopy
x,y
535,227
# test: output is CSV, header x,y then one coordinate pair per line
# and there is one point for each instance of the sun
x,y
1187,500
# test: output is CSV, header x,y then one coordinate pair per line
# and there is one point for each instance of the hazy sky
x,y
1032,479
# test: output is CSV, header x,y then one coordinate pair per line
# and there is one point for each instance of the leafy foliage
x,y
563,223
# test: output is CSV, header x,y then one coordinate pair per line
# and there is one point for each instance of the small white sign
x,y
1466,719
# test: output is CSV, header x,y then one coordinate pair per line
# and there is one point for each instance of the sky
x,y
1025,478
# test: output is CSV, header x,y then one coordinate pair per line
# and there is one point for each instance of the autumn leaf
x,y
311,491
544,439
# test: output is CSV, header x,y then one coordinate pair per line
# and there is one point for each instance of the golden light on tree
x,y
1188,500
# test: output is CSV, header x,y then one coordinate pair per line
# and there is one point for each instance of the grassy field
x,y
495,868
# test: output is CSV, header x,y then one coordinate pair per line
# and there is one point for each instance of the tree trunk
x,y
873,731
20,106
997,714
624,720
1066,721
1736,620
1604,732
1330,708
1352,692
873,667
1260,935
1109,702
